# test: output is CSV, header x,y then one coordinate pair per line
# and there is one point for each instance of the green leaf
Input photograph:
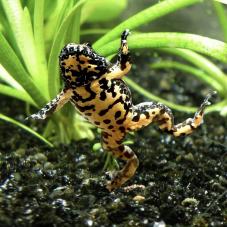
x,y
20,23
12,64
149,14
201,44
16,123
222,17
8,79
102,10
202,63
40,46
198,73
215,107
53,68
15,93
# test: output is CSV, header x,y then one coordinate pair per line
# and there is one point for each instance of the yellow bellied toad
x,y
95,87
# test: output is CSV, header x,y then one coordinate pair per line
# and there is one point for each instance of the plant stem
x,y
150,14
204,45
222,17
189,69
202,63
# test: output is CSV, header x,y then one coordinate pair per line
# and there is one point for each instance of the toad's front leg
x,y
123,64
53,106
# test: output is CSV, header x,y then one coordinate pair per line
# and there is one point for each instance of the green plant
x,y
32,34
30,48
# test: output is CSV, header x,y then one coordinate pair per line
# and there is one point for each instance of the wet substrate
x,y
180,182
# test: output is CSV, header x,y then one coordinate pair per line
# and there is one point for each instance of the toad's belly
x,y
105,103
109,114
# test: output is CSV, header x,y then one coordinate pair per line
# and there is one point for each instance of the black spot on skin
x,y
147,115
97,123
105,135
102,95
117,114
182,134
162,111
110,127
122,129
88,114
128,154
136,118
84,108
106,121
119,141
119,122
121,148
153,112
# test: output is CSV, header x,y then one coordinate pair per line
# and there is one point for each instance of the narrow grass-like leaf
x,y
40,45
102,11
73,32
222,17
202,63
54,20
18,124
14,14
215,107
94,31
20,23
8,79
12,64
153,97
199,74
15,93
53,70
29,47
201,44
150,14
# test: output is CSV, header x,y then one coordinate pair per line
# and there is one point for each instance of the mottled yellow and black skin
x,y
95,87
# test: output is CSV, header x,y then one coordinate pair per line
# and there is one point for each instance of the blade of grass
x,y
94,31
28,47
199,74
12,64
14,14
20,23
73,32
215,107
53,68
53,21
222,17
40,45
153,97
18,94
8,79
150,14
201,44
16,123
202,63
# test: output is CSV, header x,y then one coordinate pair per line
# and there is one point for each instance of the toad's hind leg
x,y
145,113
112,144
